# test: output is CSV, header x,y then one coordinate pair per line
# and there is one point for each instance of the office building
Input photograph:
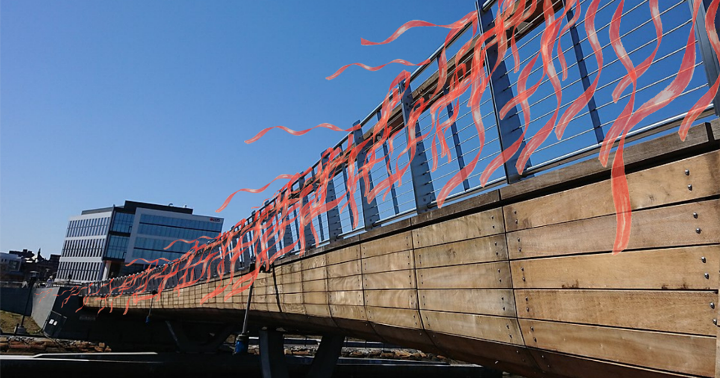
x,y
100,243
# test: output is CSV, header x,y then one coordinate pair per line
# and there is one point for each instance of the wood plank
x,y
316,298
574,366
290,288
317,310
289,268
347,298
348,312
386,263
394,317
410,338
501,356
486,249
391,298
345,283
388,244
399,279
345,269
289,278
475,276
662,185
314,274
670,268
670,311
471,226
494,328
316,285
666,351
291,298
636,154
499,302
343,255
293,308
670,226
313,262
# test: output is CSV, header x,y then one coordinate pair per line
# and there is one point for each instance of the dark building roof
x,y
131,206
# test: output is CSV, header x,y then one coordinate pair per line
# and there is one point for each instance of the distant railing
x,y
425,179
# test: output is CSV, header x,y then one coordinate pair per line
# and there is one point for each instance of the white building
x,y
100,243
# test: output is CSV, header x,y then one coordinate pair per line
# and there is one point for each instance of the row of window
x,y
151,254
83,248
161,244
117,246
182,223
122,222
80,271
173,232
88,227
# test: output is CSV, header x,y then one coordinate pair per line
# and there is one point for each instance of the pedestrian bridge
x,y
517,274
519,278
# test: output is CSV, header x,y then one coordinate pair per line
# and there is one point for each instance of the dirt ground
x,y
8,321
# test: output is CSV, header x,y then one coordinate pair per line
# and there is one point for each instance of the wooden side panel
x,y
315,285
296,287
399,279
395,299
484,327
665,184
476,276
479,250
345,283
677,224
395,317
289,278
388,244
313,262
387,263
666,351
345,269
314,274
671,311
669,268
348,312
343,255
347,298
468,227
499,302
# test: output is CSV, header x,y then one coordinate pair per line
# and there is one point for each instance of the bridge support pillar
x,y
326,357
272,354
188,344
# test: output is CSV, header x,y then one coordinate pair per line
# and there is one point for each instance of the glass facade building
x,y
103,243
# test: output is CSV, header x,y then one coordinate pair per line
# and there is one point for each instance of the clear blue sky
x,y
103,101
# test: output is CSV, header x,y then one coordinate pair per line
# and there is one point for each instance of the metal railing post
x,y
419,167
393,193
456,139
509,128
271,247
333,214
710,60
370,209
579,56
309,238
348,194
